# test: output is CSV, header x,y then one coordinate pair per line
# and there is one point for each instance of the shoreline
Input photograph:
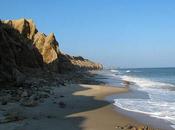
x,y
106,117
82,108
142,118
78,104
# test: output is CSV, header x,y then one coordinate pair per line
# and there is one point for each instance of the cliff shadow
x,y
79,104
65,65
16,53
53,117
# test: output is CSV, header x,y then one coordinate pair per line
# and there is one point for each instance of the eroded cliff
x,y
22,46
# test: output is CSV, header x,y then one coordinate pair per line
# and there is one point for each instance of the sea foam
x,y
143,82
161,101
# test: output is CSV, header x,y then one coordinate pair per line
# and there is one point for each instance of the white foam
x,y
173,126
143,82
161,110
128,71
161,101
114,71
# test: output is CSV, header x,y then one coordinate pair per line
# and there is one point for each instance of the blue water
x,y
157,92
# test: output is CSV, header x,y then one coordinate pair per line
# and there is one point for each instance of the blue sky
x,y
124,33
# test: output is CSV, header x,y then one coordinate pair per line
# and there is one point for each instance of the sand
x,y
85,109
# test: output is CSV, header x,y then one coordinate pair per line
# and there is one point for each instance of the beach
x,y
87,65
73,107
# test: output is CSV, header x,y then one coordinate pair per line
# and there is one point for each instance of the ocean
x,y
152,91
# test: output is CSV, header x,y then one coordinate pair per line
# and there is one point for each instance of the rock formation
x,y
22,46
68,62
16,52
46,45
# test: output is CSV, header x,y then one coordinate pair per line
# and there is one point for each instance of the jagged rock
x,y
22,46
48,47
25,26
15,52
67,62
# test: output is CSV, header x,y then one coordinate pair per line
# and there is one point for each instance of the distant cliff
x,y
22,46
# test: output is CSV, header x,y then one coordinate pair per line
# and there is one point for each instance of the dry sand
x,y
85,110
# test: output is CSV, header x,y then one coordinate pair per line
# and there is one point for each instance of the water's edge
x,y
145,97
140,117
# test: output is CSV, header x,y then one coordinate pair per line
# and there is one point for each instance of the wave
x,y
114,71
159,101
128,71
161,110
145,83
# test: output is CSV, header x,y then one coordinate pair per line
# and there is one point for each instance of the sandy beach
x,y
87,65
72,107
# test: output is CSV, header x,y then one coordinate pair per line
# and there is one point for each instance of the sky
x,y
116,33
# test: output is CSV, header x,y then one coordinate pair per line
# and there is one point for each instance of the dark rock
x,y
4,103
24,94
62,104
22,47
35,118
18,76
43,95
50,116
11,115
34,97
28,102
61,96
9,118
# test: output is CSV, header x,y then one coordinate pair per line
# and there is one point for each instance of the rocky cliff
x,y
68,62
22,46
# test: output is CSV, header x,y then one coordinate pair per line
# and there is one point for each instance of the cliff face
x,y
46,45
16,52
68,62
21,46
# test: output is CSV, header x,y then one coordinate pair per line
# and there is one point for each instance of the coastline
x,y
53,90
153,122
84,109
104,117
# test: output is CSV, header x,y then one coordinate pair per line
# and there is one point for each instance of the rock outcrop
x,y
16,52
25,27
22,46
46,45
68,62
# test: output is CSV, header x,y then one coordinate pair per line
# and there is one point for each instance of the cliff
x,y
22,46
68,62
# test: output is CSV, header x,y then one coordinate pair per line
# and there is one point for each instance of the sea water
x,y
153,92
